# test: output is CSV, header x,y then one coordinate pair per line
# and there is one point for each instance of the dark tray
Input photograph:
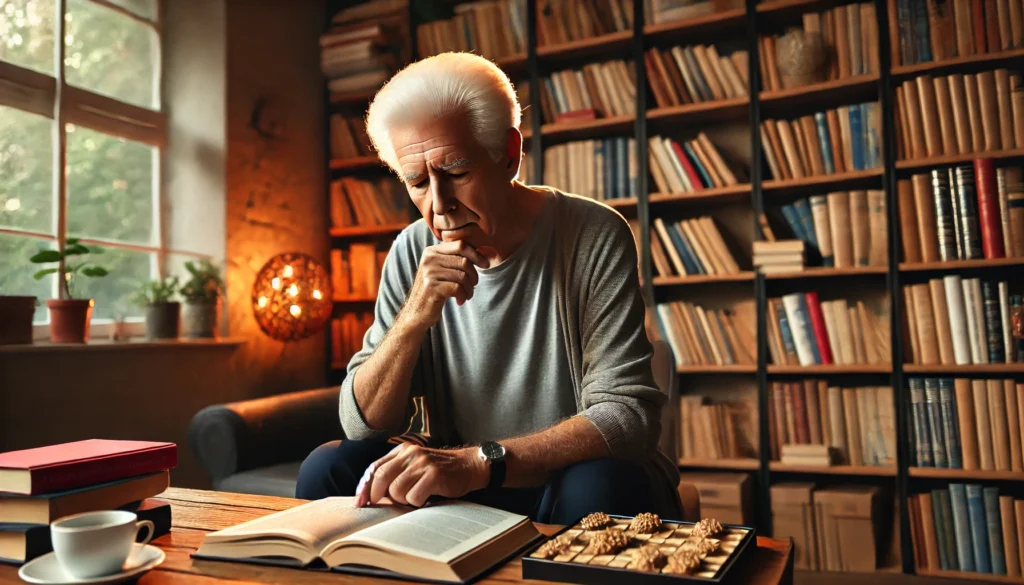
x,y
570,572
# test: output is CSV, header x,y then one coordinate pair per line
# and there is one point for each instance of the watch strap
x,y
497,474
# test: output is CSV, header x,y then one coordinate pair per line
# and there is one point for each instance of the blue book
x,y
730,356
856,137
994,523
872,126
949,536
950,432
935,436
622,171
787,336
805,315
940,532
690,261
556,96
704,176
906,26
923,45
979,529
793,221
826,146
803,212
919,414
962,527
606,166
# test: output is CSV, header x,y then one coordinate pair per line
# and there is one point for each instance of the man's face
x,y
452,179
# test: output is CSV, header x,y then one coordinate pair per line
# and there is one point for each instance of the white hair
x,y
438,86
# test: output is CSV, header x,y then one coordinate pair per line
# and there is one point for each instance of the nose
x,y
440,202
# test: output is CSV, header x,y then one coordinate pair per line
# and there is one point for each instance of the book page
x,y
444,531
313,524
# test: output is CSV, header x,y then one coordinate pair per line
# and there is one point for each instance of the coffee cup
x,y
96,544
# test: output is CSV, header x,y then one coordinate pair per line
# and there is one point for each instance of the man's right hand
x,y
447,270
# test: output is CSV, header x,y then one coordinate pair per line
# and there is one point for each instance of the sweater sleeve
x,y
397,277
619,394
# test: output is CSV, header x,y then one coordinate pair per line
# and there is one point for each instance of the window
x,y
90,104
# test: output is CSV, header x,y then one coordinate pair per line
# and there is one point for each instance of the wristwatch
x,y
494,454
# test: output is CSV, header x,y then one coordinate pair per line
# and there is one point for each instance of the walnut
x,y
706,527
700,545
595,521
683,562
647,558
608,541
555,546
645,523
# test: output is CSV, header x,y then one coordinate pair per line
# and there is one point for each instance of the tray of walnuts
x,y
607,550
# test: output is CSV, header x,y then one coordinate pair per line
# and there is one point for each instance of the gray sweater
x,y
556,330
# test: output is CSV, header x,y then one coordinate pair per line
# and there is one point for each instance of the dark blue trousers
x,y
602,485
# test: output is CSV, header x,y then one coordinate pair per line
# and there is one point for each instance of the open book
x,y
448,541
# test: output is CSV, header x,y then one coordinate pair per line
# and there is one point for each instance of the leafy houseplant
x,y
202,293
69,317
162,314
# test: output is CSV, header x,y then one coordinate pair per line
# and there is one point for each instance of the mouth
x,y
455,229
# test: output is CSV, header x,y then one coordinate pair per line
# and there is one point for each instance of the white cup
x,y
96,544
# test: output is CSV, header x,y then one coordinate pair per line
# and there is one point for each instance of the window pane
x,y
26,33
111,54
26,171
144,8
110,187
16,271
128,269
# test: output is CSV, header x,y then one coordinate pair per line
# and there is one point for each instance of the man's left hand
x,y
410,474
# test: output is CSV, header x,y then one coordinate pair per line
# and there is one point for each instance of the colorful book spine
x,y
949,541
979,528
993,322
823,139
940,530
950,432
994,527
967,200
919,413
944,221
962,527
857,137
935,423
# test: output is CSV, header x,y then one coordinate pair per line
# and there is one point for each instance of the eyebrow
x,y
455,163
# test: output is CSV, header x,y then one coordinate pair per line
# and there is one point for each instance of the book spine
x,y
940,530
962,527
944,224
92,471
815,219
1013,425
959,237
922,447
979,528
904,24
993,523
788,341
823,140
988,209
857,137
793,221
818,327
1010,543
993,322
967,200
933,409
949,542
951,437
967,424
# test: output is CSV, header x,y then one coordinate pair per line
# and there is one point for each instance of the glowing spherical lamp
x,y
291,297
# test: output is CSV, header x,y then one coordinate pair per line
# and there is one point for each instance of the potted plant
x,y
202,292
162,314
16,319
69,317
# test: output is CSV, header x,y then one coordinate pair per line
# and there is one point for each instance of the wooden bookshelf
x,y
607,46
357,231
822,272
671,30
715,369
866,470
1017,368
352,99
781,5
965,474
747,464
715,110
722,195
835,182
356,164
601,127
827,369
512,63
952,159
702,279
621,203
976,577
960,265
820,92
949,65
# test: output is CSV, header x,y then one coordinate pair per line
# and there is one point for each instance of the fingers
x,y
425,486
403,483
371,477
461,248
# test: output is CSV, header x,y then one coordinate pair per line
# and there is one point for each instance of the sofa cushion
x,y
274,480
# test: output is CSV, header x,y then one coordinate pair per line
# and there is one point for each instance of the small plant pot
x,y
69,320
162,320
200,318
16,319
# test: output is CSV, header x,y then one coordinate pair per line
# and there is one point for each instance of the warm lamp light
x,y
291,297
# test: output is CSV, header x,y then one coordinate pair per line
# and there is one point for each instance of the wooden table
x,y
196,512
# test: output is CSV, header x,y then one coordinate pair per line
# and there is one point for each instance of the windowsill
x,y
135,343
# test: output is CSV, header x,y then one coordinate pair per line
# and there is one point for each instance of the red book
x,y
988,208
82,463
687,166
978,20
818,325
803,431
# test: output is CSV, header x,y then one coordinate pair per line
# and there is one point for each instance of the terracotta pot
x,y
162,320
16,319
69,320
199,319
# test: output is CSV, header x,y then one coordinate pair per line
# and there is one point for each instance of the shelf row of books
x,y
383,201
959,114
691,165
347,334
358,58
355,272
716,430
923,31
848,37
968,528
694,74
841,229
955,320
597,90
849,425
845,139
700,336
599,169
966,212
492,29
690,247
665,11
564,21
348,137
967,424
805,331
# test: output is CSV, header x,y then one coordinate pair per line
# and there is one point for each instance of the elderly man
x,y
514,311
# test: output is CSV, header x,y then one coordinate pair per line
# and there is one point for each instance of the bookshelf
x,y
741,204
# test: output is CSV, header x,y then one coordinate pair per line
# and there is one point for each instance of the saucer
x,y
47,570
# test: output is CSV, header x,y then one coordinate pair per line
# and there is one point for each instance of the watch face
x,y
492,450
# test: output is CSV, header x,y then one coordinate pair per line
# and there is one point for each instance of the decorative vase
x,y
801,57
199,319
16,319
162,320
69,320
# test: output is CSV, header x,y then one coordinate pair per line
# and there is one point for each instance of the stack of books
x,y
717,430
954,320
39,486
967,528
599,169
360,202
356,271
850,37
842,229
779,257
598,90
357,58
805,331
492,29
690,166
700,336
842,140
812,455
858,424
967,212
922,31
563,21
662,11
967,424
959,114
690,247
694,74
348,137
347,335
